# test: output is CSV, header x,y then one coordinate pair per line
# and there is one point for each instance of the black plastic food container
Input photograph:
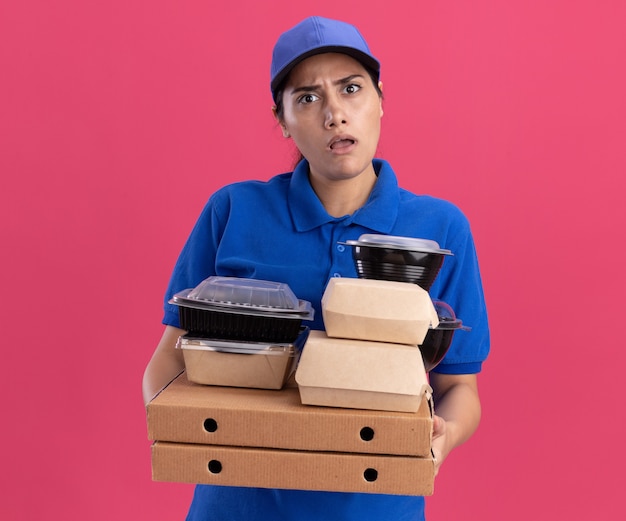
x,y
400,259
438,340
234,308
209,323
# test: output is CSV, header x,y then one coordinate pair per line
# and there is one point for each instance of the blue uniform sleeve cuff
x,y
465,368
171,318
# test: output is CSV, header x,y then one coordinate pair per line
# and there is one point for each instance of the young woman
x,y
328,100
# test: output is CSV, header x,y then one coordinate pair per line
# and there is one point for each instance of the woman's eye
x,y
352,88
307,98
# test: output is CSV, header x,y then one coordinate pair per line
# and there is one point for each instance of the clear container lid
x,y
447,318
238,347
235,291
402,243
246,297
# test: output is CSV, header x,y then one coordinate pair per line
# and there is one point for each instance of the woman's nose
x,y
334,113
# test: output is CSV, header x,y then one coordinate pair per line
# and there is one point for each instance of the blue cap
x,y
317,35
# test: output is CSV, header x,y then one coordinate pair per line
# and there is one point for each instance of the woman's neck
x,y
345,196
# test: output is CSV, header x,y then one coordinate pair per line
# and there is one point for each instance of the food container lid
x,y
235,291
245,296
401,243
304,312
227,346
447,318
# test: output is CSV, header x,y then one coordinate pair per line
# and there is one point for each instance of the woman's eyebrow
x,y
305,88
348,79
313,88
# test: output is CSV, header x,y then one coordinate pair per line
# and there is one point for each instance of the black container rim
x,y
362,244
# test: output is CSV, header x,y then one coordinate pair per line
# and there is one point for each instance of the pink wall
x,y
119,118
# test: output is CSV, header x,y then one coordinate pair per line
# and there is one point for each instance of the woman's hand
x,y
457,408
440,449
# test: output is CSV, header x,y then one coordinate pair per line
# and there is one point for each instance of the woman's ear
x,y
380,88
282,125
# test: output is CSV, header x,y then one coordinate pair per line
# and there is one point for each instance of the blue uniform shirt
x,y
279,230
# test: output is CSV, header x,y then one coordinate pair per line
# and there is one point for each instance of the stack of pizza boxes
x,y
357,417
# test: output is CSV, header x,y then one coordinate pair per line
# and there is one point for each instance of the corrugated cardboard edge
x,y
165,387
282,469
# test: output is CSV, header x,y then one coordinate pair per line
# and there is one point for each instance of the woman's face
x,y
332,111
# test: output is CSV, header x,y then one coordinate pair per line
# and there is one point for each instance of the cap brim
x,y
366,60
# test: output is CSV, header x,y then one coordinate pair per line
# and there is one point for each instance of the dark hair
x,y
278,93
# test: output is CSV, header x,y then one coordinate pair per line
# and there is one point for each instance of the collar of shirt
x,y
379,212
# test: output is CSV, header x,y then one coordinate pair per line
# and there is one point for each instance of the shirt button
x,y
341,247
336,274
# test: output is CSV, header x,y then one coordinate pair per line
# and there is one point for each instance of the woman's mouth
x,y
341,143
